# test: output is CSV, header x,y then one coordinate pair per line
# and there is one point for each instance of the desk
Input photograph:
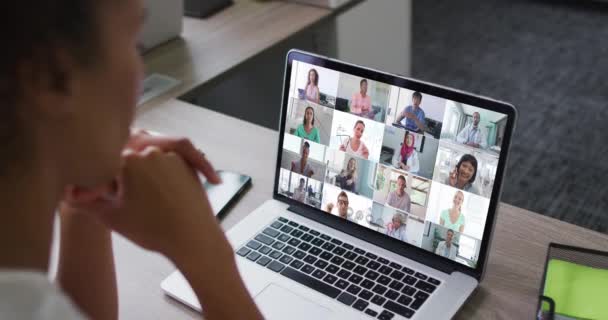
x,y
520,242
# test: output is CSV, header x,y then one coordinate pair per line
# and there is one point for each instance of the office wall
x,y
377,34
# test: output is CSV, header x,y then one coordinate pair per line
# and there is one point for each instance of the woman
x,y
453,218
463,175
69,82
396,228
312,86
354,145
307,129
347,178
408,157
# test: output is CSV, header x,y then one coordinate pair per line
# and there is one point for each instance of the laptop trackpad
x,y
276,302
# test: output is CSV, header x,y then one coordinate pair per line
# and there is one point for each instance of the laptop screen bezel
x,y
394,245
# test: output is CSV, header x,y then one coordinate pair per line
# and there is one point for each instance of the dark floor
x,y
548,58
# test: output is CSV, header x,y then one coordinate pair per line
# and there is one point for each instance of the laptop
x,y
403,240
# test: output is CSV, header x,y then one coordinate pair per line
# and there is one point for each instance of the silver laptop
x,y
383,209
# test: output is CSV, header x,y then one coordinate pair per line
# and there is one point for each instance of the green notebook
x,y
578,291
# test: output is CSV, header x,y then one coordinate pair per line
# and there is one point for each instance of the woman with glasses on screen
x,y
307,129
408,156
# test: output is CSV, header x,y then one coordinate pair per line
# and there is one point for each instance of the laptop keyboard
x,y
340,270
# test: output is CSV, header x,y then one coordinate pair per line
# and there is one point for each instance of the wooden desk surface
x,y
509,290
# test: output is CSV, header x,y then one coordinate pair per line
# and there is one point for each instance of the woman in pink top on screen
x,y
361,103
354,145
312,86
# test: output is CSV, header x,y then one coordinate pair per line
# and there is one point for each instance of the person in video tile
x,y
463,176
396,228
354,145
342,206
472,135
301,166
361,103
453,218
408,158
412,117
446,248
398,198
312,86
307,129
300,192
347,178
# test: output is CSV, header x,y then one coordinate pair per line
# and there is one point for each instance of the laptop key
x,y
337,260
296,264
253,256
348,265
366,295
407,270
409,280
283,237
263,261
399,309
379,300
326,255
287,229
367,284
314,232
299,254
303,228
296,233
353,289
311,282
265,250
330,279
350,255
328,246
271,232
319,274
293,224
359,251
408,290
434,281
341,284
362,260
360,270
317,242
339,251
425,286
275,254
310,259
384,280
343,274
373,275
321,264
283,220
346,298
373,265
286,259
405,300
382,260
307,237
289,250
385,270
347,246
379,289
315,251
307,269
421,295
276,266
392,294
278,245
371,256
421,276
325,237
277,225
395,265
360,305
396,285
332,269
243,251
386,315
336,241
397,275
294,242
254,245
371,312
355,279
264,239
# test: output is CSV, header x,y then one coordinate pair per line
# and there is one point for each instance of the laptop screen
x,y
406,164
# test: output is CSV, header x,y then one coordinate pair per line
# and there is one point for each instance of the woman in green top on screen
x,y
453,218
307,129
